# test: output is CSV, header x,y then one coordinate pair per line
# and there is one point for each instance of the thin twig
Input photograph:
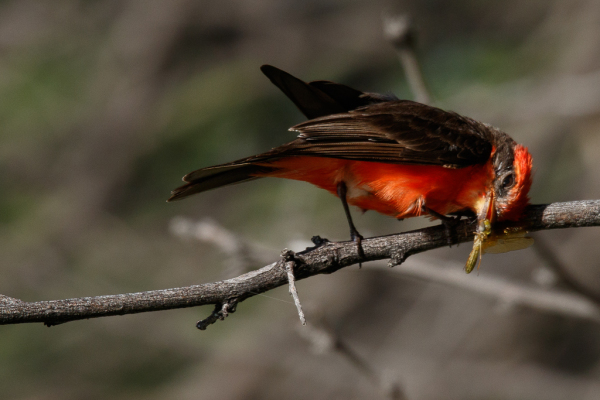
x,y
289,268
289,258
399,30
323,259
221,311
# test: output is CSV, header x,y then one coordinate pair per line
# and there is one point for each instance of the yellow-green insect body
x,y
484,229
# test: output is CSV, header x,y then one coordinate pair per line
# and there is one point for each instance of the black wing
x,y
400,132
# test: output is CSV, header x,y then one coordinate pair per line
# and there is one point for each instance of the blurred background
x,y
105,105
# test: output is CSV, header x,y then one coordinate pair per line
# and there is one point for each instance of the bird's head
x,y
508,196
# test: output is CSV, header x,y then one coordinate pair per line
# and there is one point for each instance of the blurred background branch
x,y
324,340
400,31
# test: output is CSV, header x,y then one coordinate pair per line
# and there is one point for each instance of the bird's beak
x,y
487,210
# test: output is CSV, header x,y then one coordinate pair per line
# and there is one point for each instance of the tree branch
x,y
323,259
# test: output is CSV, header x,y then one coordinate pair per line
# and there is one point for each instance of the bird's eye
x,y
508,181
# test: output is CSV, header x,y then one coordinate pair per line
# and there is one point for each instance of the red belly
x,y
392,189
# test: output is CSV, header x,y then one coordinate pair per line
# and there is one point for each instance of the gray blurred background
x,y
106,104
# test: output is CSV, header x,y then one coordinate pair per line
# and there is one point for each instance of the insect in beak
x,y
485,218
487,242
484,229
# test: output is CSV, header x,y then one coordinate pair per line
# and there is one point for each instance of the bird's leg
x,y
356,237
448,222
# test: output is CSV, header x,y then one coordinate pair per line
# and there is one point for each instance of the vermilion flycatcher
x,y
397,157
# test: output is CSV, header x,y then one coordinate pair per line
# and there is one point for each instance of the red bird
x,y
397,157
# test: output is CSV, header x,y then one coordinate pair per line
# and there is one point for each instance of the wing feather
x,y
418,133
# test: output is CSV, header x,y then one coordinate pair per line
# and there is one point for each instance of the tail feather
x,y
214,177
312,101
321,98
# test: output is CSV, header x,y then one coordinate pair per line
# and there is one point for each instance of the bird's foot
x,y
450,224
358,238
354,236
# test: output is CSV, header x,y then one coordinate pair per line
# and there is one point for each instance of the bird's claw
x,y
358,238
450,224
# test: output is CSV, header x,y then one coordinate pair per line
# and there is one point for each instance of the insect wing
x,y
506,243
